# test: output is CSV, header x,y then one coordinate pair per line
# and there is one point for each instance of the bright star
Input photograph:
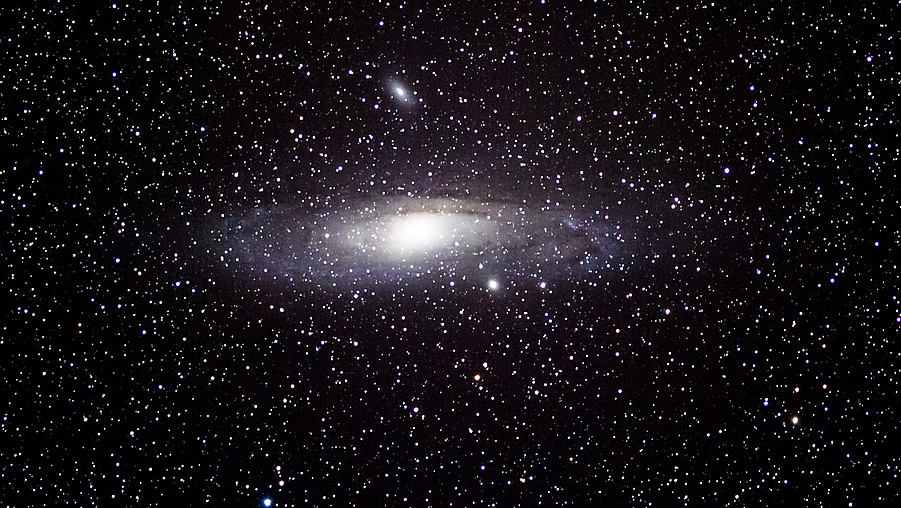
x,y
493,284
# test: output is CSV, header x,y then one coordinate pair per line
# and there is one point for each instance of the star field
x,y
514,254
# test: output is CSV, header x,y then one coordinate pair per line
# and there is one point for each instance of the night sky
x,y
536,253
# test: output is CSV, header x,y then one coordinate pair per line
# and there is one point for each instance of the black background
x,y
142,369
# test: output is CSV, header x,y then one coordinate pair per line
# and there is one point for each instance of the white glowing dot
x,y
795,420
418,231
267,502
493,284
400,92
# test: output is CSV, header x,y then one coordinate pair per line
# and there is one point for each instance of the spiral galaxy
x,y
411,240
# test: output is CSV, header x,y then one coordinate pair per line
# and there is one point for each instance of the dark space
x,y
500,254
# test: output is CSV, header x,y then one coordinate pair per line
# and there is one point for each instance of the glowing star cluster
x,y
419,232
401,94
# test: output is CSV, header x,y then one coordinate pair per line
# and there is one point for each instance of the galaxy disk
x,y
461,242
